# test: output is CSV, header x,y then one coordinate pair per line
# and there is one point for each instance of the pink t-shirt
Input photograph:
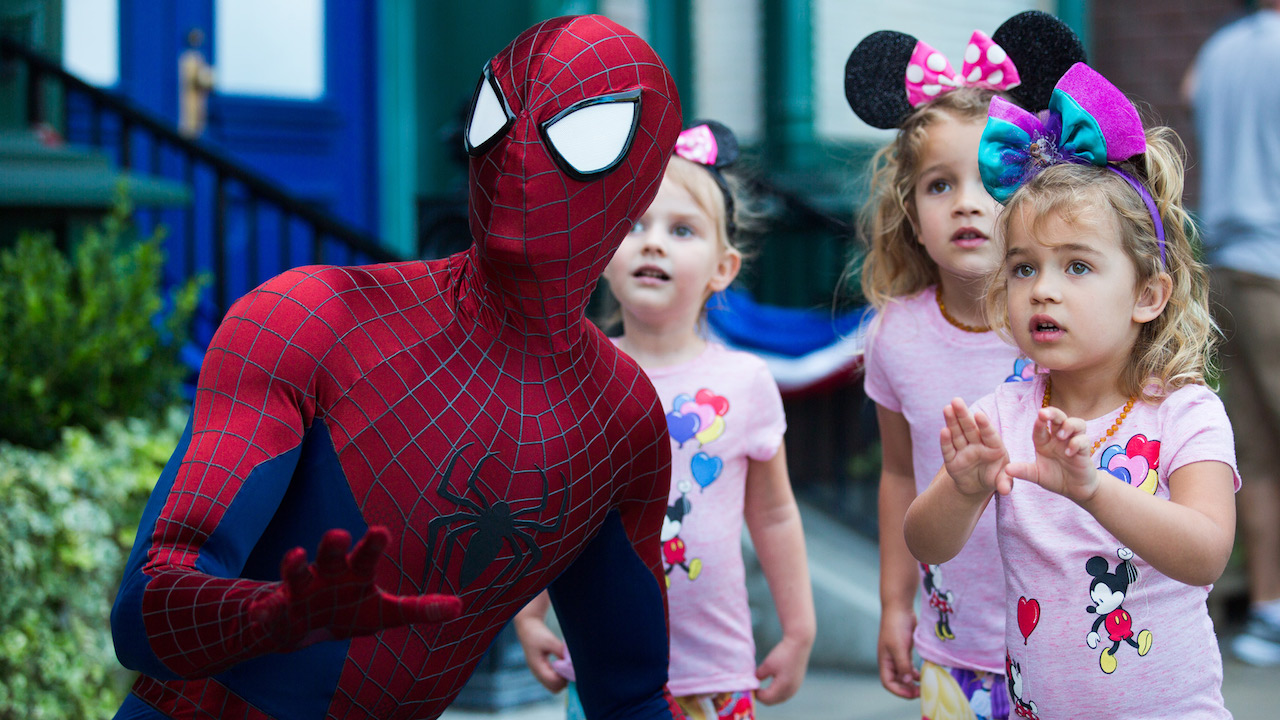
x,y
1069,578
723,409
916,363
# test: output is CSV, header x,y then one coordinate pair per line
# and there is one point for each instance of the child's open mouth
x,y
651,272
1045,329
969,237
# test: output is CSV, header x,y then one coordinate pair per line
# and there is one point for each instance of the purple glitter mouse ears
x,y
1088,122
890,73
713,146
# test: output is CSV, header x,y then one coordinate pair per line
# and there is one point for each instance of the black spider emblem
x,y
491,523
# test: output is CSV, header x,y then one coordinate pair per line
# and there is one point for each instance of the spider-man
x,y
459,415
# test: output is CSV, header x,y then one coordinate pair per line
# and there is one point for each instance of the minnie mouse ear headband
x,y
1088,122
713,146
890,73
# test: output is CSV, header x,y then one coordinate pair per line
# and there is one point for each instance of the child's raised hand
x,y
973,452
1063,460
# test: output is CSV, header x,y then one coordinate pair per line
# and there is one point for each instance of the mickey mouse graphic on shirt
x,y
941,600
673,548
1108,591
693,417
1013,676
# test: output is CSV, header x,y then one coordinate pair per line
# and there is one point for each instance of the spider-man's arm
x,y
184,609
611,603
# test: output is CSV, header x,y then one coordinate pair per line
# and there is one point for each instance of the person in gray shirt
x,y
1235,96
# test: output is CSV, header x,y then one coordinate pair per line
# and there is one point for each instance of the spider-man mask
x,y
569,134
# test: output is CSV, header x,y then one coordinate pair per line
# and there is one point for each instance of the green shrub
x,y
87,338
67,520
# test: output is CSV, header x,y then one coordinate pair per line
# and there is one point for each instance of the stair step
x,y
34,174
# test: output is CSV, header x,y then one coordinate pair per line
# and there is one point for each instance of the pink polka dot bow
x,y
697,144
986,64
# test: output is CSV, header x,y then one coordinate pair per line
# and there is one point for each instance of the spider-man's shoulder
x,y
631,394
340,296
314,285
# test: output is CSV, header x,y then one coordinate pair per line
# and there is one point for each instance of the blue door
x,y
294,94
294,98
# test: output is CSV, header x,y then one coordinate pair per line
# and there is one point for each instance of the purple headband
x,y
1089,122
1151,207
713,146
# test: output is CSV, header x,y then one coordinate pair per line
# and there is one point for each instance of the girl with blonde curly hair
x,y
1113,470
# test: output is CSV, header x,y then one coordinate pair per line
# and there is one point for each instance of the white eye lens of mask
x,y
490,116
592,137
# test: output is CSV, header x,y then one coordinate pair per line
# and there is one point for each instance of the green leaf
x,y
66,524
90,336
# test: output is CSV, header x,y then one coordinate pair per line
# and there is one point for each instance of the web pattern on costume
x,y
425,397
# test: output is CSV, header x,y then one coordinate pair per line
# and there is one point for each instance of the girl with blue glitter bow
x,y
1113,471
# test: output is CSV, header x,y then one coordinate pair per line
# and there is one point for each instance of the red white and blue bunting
x,y
807,350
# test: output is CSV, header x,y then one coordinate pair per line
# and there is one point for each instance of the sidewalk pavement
x,y
1251,693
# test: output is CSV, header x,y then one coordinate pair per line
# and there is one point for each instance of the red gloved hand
x,y
336,597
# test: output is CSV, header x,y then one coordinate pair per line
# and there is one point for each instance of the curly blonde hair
x,y
1176,348
895,263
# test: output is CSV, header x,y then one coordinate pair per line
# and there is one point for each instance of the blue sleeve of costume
x,y
273,513
225,553
611,612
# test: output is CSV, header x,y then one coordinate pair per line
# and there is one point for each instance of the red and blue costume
x,y
459,415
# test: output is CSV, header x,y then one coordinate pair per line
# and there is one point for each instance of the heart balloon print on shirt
x,y
1135,464
1140,445
1023,370
1028,617
706,414
719,403
698,416
1128,469
713,432
682,427
705,468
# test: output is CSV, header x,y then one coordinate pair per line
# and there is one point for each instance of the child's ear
x,y
1153,295
726,270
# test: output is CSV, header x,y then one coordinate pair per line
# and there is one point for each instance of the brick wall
x,y
1145,48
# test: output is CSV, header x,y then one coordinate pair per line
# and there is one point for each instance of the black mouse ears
x,y
1046,47
889,73
875,78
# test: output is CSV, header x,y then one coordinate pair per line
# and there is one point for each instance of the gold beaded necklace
x,y
1048,390
947,316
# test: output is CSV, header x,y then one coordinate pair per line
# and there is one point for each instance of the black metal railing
x,y
240,227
